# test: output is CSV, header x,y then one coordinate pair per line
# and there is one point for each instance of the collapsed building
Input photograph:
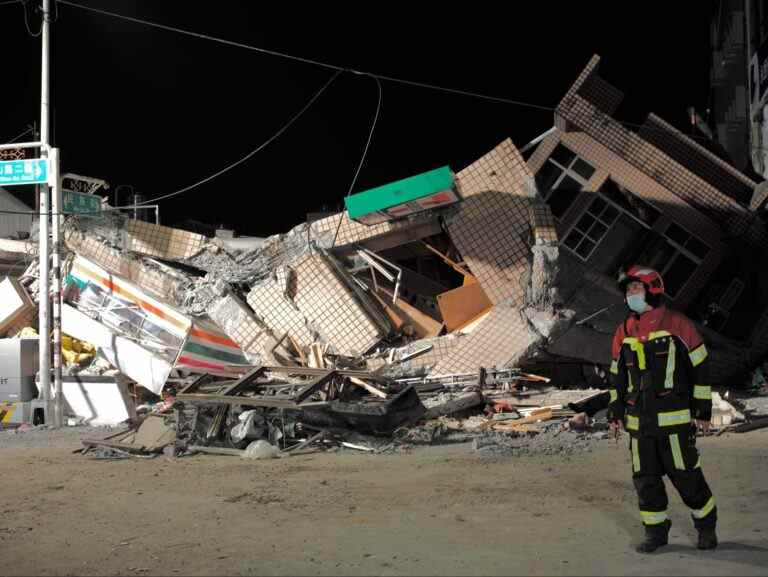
x,y
509,264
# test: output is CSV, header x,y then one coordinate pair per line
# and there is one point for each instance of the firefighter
x,y
660,396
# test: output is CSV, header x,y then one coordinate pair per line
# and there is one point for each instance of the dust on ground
x,y
451,509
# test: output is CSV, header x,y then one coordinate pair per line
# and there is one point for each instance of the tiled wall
x,y
160,285
577,113
492,227
611,165
320,298
325,299
239,324
499,339
162,241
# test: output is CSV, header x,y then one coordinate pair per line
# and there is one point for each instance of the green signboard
x,y
80,203
414,194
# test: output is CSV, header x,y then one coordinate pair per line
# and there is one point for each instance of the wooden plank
x,y
370,388
461,305
541,416
532,377
306,443
299,350
424,326
397,320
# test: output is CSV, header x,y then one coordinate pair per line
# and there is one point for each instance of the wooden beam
x,y
370,388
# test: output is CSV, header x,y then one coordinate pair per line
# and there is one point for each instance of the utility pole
x,y
44,272
57,220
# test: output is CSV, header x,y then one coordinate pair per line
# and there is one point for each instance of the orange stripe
x,y
122,292
218,339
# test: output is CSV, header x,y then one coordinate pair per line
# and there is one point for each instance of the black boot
x,y
707,538
655,537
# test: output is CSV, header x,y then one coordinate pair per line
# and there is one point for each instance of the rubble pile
x,y
407,326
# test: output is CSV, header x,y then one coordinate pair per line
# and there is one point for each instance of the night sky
x,y
159,111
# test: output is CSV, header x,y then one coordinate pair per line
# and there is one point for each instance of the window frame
x,y
564,171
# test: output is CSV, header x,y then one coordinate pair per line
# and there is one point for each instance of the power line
x,y
202,36
362,159
344,69
27,131
394,79
301,59
250,154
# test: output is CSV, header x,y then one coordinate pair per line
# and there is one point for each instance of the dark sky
x,y
159,111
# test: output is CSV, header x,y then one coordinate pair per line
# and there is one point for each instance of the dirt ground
x,y
437,511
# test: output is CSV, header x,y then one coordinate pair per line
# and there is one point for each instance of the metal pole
x,y
57,219
43,324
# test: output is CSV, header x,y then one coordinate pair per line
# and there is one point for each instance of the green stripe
x,y
614,395
630,384
698,355
705,510
614,367
677,455
669,382
674,418
635,456
653,517
210,353
633,423
702,392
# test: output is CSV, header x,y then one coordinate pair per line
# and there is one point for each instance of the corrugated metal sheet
x,y
12,224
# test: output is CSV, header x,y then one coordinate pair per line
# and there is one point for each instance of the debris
x,y
723,413
14,303
448,403
261,449
357,447
98,400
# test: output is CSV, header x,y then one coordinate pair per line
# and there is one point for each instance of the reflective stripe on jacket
x,y
658,373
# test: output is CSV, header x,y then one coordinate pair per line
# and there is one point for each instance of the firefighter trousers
x,y
676,456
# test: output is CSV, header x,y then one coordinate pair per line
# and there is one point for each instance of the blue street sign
x,y
28,171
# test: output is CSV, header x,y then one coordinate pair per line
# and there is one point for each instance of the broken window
x,y
561,179
676,255
591,228
630,203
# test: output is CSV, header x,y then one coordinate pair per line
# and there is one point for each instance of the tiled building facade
x,y
655,197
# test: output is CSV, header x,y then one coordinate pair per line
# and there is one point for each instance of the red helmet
x,y
648,276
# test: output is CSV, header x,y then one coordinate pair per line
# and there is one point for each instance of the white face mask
x,y
637,303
